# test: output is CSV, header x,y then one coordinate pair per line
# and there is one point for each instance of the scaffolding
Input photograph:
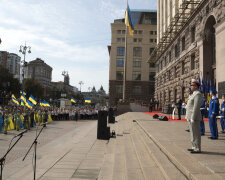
x,y
185,11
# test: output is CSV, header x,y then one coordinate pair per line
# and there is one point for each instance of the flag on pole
x,y
22,103
129,22
23,92
23,98
15,100
87,100
29,104
31,99
73,100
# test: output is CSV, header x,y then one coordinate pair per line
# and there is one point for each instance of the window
x,y
155,32
120,51
177,51
137,63
118,39
152,65
151,32
135,31
192,61
119,89
118,31
123,39
140,32
137,75
193,34
137,51
139,39
136,90
183,43
135,39
175,72
169,56
151,40
123,32
151,91
155,40
151,50
119,62
119,75
183,67
152,76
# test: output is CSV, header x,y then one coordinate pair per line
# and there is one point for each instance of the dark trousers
x,y
179,113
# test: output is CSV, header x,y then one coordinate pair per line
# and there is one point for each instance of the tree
x,y
33,87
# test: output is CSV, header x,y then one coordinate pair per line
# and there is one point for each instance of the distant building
x,y
40,71
11,62
96,96
139,74
62,86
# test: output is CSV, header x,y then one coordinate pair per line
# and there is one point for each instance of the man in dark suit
x,y
179,106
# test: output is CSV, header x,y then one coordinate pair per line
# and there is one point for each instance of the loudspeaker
x,y
111,116
102,124
163,118
155,116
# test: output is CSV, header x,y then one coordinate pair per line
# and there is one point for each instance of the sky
x,y
69,35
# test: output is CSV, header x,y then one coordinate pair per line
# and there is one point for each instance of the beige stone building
x,y
190,44
40,71
139,74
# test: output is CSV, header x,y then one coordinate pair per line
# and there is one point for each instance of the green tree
x,y
33,87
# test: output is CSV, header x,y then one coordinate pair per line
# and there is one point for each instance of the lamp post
x,y
81,83
24,50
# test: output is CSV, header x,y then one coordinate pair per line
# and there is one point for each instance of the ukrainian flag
x,y
15,100
87,100
23,98
31,99
29,104
22,103
128,21
23,92
44,103
73,100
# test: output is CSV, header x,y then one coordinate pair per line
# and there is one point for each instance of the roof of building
x,y
39,61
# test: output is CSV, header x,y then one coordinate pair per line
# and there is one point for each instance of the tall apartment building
x,y
40,71
11,62
139,74
191,36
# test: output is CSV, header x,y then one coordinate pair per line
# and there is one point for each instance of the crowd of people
x,y
17,118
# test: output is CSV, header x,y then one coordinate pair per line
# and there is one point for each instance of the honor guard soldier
x,y
222,113
213,112
202,109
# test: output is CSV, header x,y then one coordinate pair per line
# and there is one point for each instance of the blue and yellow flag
x,y
29,104
73,100
22,103
128,21
23,92
44,103
15,100
87,100
31,99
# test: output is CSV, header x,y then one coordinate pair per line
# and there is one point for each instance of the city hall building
x,y
190,44
139,74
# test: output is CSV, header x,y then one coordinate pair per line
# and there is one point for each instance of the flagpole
x,y
125,60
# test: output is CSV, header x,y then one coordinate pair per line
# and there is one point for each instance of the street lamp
x,y
81,83
24,50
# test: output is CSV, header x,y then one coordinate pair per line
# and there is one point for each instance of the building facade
x,y
190,45
139,74
40,71
11,62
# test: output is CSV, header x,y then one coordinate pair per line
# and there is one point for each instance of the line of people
x,y
17,118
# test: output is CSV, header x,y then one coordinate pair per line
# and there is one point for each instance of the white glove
x,y
192,120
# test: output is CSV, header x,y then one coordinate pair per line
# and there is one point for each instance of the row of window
x,y
137,32
136,90
137,51
136,63
136,76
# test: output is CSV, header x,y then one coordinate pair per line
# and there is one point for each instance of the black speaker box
x,y
155,116
102,124
163,118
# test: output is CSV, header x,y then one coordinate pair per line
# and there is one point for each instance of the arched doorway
x,y
209,50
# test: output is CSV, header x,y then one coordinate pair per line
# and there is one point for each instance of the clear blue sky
x,y
70,35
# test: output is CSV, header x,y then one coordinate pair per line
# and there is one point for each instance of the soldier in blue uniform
x,y
202,109
222,113
213,112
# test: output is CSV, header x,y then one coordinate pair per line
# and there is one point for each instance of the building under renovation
x,y
190,44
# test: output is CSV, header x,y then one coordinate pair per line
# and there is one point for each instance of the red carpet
x,y
169,117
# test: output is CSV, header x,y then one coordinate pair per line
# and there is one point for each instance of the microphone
x,y
20,134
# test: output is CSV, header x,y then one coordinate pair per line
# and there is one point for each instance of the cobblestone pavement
x,y
54,130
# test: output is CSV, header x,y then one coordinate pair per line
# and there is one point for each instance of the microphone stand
x,y
35,150
2,160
